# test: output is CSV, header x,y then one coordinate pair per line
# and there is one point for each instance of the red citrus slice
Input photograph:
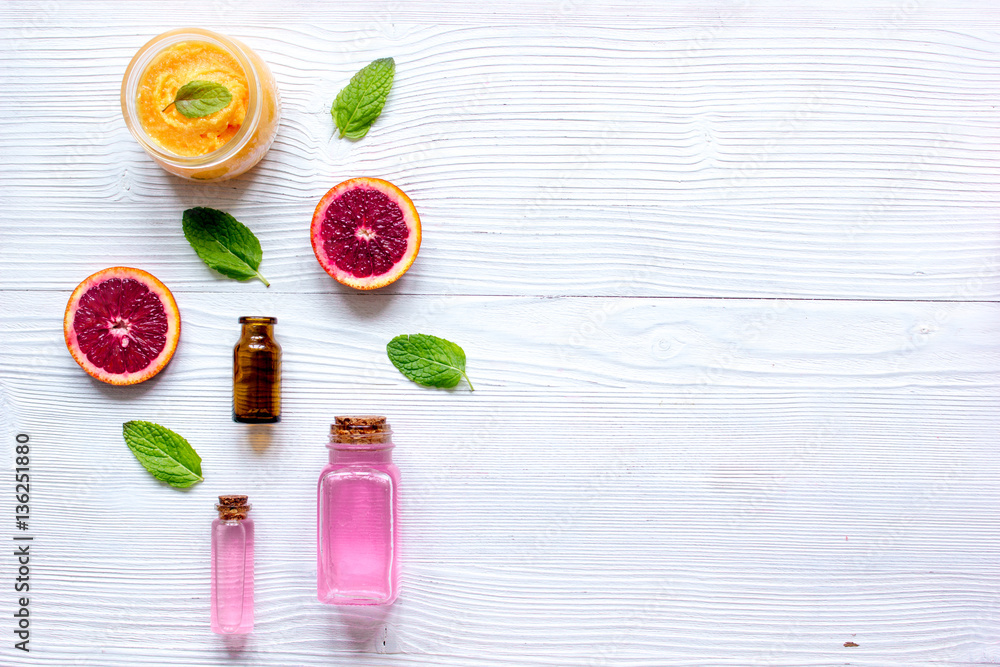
x,y
122,325
365,233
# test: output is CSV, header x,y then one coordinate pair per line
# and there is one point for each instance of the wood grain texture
x,y
691,479
726,273
554,159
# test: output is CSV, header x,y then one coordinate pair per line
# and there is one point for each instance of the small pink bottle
x,y
232,567
358,515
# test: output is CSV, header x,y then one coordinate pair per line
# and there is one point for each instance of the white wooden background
x,y
728,278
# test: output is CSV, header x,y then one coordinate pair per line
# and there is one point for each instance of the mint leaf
x,y
361,101
224,243
428,360
166,455
200,98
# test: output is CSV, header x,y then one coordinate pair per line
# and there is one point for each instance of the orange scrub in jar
x,y
174,67
219,145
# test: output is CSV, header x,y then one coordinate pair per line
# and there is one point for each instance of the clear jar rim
x,y
361,446
138,65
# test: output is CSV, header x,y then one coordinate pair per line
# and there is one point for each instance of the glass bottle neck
x,y
258,330
258,326
355,455
235,522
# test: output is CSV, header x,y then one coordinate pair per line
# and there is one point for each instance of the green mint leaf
x,y
224,243
166,455
428,360
200,98
361,101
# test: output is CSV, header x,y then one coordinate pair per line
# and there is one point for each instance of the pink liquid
x,y
357,528
232,576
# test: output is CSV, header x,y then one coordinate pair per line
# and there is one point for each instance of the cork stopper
x,y
363,430
233,508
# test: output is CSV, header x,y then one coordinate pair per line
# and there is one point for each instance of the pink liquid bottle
x,y
358,515
232,567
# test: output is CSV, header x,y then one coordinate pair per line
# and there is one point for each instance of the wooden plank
x,y
777,479
520,343
548,161
382,14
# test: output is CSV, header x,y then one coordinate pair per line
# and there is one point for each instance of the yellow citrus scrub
x,y
204,106
172,69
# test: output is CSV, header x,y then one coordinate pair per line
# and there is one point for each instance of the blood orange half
x,y
365,233
122,325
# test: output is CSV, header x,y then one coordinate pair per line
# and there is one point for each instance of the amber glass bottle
x,y
257,373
